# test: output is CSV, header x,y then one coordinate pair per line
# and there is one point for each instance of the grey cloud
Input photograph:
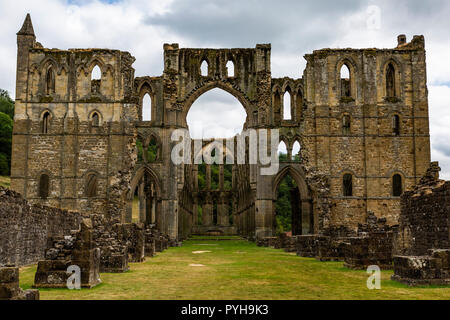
x,y
286,24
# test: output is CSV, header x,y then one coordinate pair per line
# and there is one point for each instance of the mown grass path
x,y
236,269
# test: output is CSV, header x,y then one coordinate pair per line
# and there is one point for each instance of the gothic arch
x,y
245,102
138,175
353,74
299,178
144,89
399,72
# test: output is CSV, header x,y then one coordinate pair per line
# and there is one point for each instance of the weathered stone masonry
x,y
25,229
423,246
76,139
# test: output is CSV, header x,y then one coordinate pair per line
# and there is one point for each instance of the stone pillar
x,y
195,175
207,212
223,218
221,173
158,215
195,212
306,217
208,177
142,202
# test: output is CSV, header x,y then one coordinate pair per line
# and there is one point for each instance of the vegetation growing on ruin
x,y
236,269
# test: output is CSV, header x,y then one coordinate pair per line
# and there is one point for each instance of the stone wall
x,y
423,242
425,216
25,228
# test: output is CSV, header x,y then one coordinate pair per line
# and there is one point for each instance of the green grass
x,y
5,181
236,269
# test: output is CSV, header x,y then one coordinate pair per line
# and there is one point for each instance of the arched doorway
x,y
292,204
144,198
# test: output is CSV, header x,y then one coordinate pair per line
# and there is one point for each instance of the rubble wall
x,y
424,221
25,228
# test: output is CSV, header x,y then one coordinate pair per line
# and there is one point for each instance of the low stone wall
x,y
373,249
25,228
433,269
372,244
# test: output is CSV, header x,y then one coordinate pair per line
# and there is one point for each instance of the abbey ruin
x,y
81,143
94,183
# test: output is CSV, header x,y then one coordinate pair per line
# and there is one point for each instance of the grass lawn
x,y
236,269
5,181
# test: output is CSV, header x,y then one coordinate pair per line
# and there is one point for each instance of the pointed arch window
x,y
230,69
50,81
204,68
147,107
345,77
347,183
282,151
397,185
46,122
346,124
391,90
296,151
44,186
91,186
96,78
287,114
95,119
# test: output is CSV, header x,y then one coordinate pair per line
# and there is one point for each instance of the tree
x,y
6,125
6,103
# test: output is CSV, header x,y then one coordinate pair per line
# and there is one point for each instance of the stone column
x,y
207,212
208,177
195,212
195,175
223,218
142,202
306,216
221,178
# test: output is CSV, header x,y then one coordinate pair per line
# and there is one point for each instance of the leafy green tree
x,y
4,165
283,204
6,125
6,103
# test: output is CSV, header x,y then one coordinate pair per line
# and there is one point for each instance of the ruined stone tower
x,y
80,142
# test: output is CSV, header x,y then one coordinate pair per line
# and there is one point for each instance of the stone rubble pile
x,y
70,251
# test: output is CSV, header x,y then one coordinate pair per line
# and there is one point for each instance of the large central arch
x,y
241,97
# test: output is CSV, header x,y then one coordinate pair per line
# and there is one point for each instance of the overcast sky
x,y
292,27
